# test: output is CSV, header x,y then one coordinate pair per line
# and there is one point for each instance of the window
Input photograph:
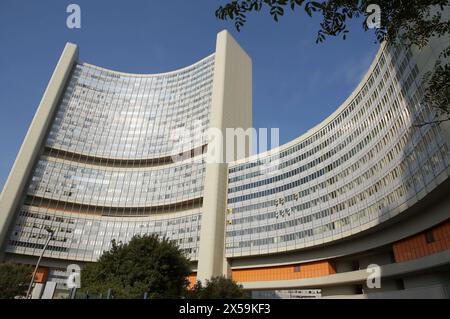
x,y
297,268
429,237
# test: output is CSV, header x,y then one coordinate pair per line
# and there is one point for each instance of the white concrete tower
x,y
231,108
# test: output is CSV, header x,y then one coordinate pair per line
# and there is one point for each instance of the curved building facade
x,y
363,165
94,176
366,189
107,157
103,173
316,212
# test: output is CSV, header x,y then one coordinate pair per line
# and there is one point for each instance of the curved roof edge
x,y
143,75
324,122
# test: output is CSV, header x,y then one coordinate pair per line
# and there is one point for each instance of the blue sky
x,y
296,83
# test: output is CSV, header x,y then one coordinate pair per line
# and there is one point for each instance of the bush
x,y
217,288
145,264
14,280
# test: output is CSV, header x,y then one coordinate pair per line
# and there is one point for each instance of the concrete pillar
x,y
231,108
15,185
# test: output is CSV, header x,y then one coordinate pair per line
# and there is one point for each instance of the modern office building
x,y
101,161
368,187
365,190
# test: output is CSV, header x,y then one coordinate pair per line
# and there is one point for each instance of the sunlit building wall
x,y
367,186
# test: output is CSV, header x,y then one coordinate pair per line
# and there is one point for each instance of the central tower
x,y
231,107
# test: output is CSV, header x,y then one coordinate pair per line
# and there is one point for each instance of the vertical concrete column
x,y
231,108
14,188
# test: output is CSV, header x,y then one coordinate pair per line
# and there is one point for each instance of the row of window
x,y
367,166
94,119
98,186
85,237
327,131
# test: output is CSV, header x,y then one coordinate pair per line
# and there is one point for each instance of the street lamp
x,y
50,236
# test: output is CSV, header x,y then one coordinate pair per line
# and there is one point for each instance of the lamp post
x,y
50,236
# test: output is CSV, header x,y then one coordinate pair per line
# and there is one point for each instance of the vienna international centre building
x,y
367,187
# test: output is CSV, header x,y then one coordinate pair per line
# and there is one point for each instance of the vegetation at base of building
x,y
151,266
405,22
146,264
14,280
217,288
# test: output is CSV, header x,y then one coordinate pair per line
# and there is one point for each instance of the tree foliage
x,y
405,22
217,288
14,280
145,264
437,93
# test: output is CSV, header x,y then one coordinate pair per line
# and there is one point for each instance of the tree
x,y
145,264
405,22
14,280
217,288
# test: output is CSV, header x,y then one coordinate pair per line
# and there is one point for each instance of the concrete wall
x,y
388,273
15,184
231,108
